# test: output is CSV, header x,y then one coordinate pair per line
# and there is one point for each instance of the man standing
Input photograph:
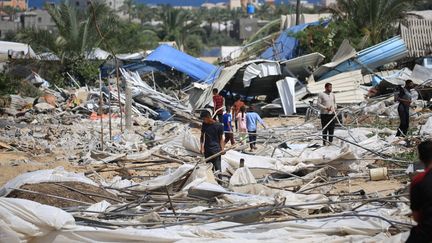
x,y
252,118
404,98
236,109
218,104
227,121
327,106
421,197
211,139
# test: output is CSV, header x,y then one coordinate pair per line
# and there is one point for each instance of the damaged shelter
x,y
106,164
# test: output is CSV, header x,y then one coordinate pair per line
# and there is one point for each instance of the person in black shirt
x,y
404,98
421,197
211,140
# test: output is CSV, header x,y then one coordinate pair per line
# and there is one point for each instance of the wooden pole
x,y
100,109
118,94
298,12
128,107
109,112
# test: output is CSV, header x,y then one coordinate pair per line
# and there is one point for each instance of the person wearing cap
x,y
218,104
211,140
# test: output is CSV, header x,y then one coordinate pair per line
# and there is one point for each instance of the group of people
x,y
218,130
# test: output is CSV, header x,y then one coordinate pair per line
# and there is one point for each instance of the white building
x,y
327,3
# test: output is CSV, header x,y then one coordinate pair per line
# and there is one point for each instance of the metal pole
x,y
298,12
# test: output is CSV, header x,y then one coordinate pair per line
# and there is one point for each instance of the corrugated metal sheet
x,y
417,34
372,57
287,94
348,97
303,66
341,82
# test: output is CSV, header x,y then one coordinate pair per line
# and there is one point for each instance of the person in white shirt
x,y
327,106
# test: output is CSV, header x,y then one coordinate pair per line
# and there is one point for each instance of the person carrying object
x,y
327,106
421,197
252,119
211,140
228,129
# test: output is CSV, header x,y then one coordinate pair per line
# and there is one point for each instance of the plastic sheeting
x,y
242,176
426,129
182,62
165,180
23,220
56,175
260,70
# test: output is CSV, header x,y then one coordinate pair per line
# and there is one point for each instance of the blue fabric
x,y
252,118
198,70
227,118
285,46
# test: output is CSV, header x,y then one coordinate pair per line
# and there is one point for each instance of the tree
x,y
177,25
376,19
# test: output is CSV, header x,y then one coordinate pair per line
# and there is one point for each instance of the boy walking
x,y
211,139
252,119
228,129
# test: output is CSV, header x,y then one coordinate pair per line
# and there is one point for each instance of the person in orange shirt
x,y
236,109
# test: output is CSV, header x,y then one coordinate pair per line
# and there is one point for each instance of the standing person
x,y
242,128
218,104
236,109
252,118
404,98
327,106
211,139
421,197
227,121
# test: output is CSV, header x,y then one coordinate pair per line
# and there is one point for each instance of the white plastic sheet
x,y
165,180
242,176
56,175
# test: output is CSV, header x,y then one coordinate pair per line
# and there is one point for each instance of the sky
x,y
40,3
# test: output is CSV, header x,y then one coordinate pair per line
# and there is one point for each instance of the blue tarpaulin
x,y
193,67
285,46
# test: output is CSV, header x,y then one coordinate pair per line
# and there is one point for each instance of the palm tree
x,y
177,25
376,19
144,13
76,33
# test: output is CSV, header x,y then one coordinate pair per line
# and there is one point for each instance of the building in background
x,y
18,4
234,4
37,19
328,3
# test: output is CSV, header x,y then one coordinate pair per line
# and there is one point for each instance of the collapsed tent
x,y
198,70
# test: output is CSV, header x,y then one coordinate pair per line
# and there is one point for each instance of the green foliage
x,y
327,39
10,84
375,19
194,45
85,71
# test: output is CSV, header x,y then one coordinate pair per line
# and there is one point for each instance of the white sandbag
x,y
190,142
56,175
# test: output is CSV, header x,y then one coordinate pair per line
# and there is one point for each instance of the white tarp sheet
x,y
260,70
56,175
165,180
23,221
